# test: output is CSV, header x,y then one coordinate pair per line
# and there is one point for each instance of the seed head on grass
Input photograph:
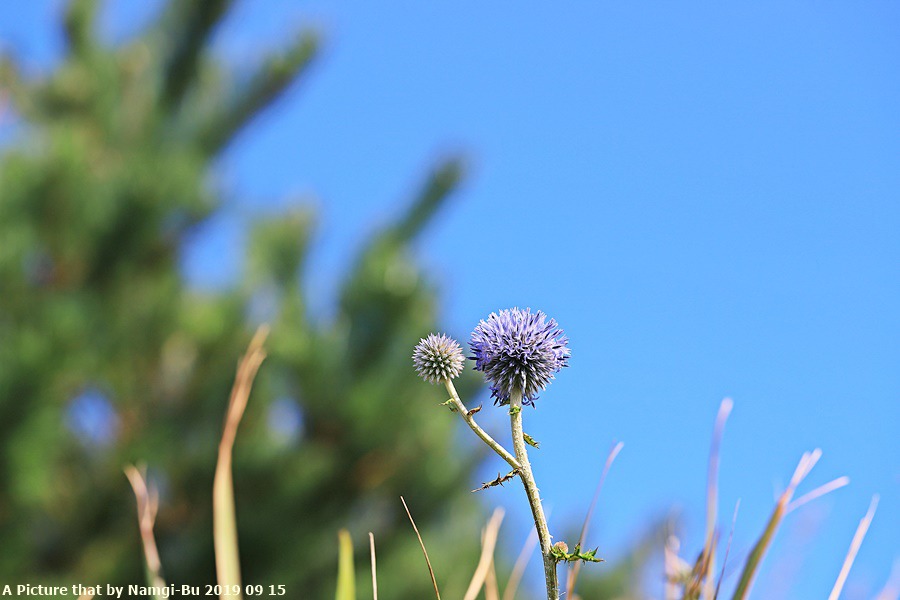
x,y
519,349
438,358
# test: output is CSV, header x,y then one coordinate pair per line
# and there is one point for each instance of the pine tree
x,y
107,356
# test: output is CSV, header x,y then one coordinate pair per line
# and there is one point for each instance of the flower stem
x,y
531,490
470,421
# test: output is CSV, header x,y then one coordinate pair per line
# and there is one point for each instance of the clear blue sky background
x,y
705,196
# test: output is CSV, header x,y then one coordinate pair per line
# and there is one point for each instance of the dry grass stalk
x,y
147,507
712,496
228,568
854,548
673,565
424,551
819,491
512,585
737,505
701,580
488,543
374,576
891,589
491,586
576,566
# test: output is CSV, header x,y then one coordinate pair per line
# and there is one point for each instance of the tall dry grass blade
x,y
696,582
512,584
424,551
576,566
701,580
491,586
374,576
228,566
737,505
147,507
891,589
818,492
346,582
807,462
488,542
673,564
854,548
712,496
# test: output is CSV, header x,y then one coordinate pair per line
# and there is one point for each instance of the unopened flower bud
x,y
438,358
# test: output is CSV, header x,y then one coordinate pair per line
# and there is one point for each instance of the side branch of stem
x,y
481,433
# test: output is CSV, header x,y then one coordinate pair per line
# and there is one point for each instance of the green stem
x,y
470,421
531,490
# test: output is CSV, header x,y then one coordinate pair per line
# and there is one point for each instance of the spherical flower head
x,y
519,349
438,357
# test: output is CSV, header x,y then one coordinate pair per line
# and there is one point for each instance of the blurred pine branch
x,y
108,356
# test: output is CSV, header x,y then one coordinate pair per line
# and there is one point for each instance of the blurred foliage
x,y
108,357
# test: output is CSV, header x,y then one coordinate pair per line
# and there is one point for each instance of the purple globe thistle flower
x,y
519,349
438,358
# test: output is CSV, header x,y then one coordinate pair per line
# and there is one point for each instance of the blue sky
x,y
704,195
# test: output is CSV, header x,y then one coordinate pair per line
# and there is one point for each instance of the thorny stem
x,y
531,490
470,421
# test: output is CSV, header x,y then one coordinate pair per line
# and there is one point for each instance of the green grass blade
x,y
759,550
346,583
807,462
